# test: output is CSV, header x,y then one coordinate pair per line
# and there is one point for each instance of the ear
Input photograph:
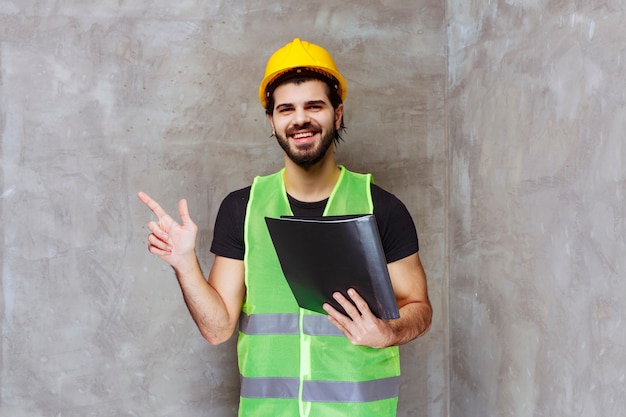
x,y
338,116
271,120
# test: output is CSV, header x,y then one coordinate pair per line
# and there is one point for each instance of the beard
x,y
305,156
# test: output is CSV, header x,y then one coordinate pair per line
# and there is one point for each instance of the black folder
x,y
320,256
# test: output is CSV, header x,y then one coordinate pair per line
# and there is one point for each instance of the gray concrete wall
x,y
516,186
537,116
102,99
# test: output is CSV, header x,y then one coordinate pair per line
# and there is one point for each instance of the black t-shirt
x,y
395,225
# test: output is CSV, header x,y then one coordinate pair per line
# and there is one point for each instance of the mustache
x,y
306,126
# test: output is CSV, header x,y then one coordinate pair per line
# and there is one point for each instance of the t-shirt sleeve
x,y
228,240
395,225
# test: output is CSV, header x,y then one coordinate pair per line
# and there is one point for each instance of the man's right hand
x,y
170,241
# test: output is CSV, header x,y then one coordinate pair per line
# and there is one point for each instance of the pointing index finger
x,y
152,205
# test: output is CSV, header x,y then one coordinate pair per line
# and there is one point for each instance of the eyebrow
x,y
312,102
308,103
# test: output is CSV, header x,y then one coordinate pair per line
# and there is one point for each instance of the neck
x,y
311,184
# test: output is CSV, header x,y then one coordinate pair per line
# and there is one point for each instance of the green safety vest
x,y
294,362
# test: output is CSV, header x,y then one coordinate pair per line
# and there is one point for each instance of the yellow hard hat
x,y
299,54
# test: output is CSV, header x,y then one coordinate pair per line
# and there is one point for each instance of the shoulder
x,y
242,193
232,210
237,198
228,230
384,201
395,224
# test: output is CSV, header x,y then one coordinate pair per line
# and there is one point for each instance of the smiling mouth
x,y
303,135
304,138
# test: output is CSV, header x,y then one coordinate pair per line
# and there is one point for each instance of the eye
x,y
315,105
284,109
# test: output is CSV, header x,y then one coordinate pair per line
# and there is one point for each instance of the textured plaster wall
x,y
99,100
536,110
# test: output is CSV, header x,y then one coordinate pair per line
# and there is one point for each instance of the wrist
x,y
187,266
391,338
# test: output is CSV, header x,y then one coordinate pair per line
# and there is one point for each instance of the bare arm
x,y
215,304
363,328
409,282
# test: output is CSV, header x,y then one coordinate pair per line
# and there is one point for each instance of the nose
x,y
300,117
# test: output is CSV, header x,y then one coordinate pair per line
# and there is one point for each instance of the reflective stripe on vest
x,y
313,325
321,391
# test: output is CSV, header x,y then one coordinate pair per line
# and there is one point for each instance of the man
x,y
294,362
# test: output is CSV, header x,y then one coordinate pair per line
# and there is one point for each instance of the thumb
x,y
183,211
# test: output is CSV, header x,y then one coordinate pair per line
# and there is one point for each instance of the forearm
x,y
415,320
409,282
204,303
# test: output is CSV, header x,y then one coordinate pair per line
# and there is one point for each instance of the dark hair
x,y
299,77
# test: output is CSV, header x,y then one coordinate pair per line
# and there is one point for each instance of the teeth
x,y
302,135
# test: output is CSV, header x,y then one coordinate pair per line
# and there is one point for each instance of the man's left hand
x,y
360,325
